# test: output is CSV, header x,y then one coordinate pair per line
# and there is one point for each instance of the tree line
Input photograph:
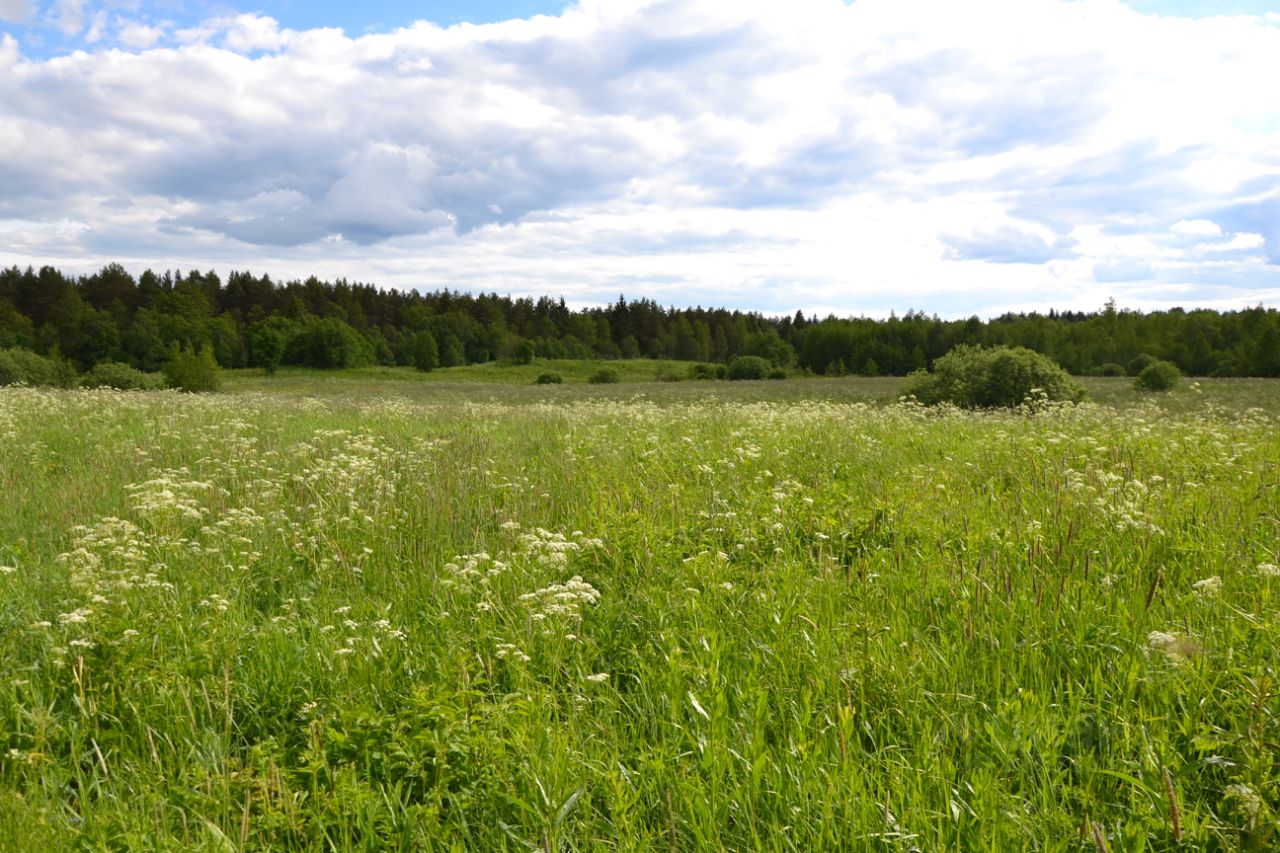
x,y
252,321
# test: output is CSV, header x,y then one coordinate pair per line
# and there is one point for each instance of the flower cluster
x,y
560,600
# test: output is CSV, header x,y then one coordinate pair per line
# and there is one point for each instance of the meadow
x,y
381,613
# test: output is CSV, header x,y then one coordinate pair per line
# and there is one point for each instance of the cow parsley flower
x,y
1208,586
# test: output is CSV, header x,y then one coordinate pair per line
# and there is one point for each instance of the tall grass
x,y
559,621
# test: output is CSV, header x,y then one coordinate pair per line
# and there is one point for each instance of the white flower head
x,y
1175,647
1208,586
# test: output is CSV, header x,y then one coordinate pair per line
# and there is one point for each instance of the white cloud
x,y
247,33
10,52
97,27
138,35
863,157
16,10
1239,242
1196,228
68,16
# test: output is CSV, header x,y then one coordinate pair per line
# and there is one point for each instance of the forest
x,y
253,321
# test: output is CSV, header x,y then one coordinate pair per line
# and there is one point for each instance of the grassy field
x,y
571,371
371,612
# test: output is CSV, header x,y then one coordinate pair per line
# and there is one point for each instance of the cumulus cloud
x,y
247,33
1238,243
848,154
135,34
68,16
10,53
1196,228
1008,244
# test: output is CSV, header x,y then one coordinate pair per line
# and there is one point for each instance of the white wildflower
x,y
1246,799
1208,586
1173,646
76,617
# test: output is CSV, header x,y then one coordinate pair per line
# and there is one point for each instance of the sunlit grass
x,y
771,615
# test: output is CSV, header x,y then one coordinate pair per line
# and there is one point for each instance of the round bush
x,y
189,369
1139,364
974,377
603,376
1158,376
548,377
699,370
1111,369
20,366
114,374
749,367
776,373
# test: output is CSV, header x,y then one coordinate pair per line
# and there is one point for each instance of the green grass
x,y
493,372
338,612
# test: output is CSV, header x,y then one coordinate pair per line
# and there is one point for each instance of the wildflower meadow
x,y
638,618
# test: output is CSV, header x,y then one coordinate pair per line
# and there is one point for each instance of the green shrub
x,y
329,343
114,374
771,348
1111,369
776,373
974,377
666,374
603,376
1139,364
548,377
701,370
189,370
517,351
268,342
20,366
423,352
749,367
1158,376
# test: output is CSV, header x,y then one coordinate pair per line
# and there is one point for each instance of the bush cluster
x,y
1139,363
702,370
23,367
974,377
604,376
749,367
115,374
1158,376
192,370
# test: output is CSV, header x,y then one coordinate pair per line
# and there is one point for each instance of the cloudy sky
x,y
854,158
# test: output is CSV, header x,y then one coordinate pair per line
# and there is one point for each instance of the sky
x,y
850,158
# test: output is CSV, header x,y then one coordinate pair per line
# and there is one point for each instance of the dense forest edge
x,y
252,321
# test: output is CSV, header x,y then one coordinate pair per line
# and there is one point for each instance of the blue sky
x,y
49,28
847,158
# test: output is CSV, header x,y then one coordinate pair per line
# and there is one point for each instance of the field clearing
x,y
375,613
